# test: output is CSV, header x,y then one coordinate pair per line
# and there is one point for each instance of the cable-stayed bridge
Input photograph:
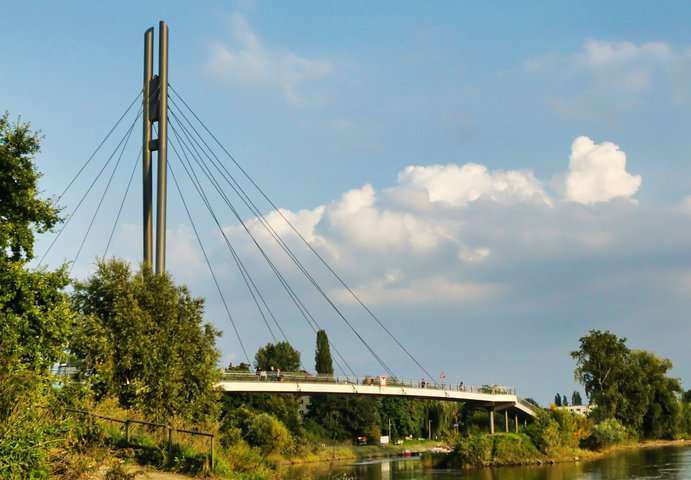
x,y
206,175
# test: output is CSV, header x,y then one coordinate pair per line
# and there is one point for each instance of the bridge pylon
x,y
155,110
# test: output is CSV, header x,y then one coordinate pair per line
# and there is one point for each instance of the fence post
x,y
211,456
127,432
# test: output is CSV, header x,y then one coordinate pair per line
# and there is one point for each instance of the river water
x,y
665,463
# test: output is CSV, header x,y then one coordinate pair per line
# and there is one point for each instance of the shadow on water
x,y
667,463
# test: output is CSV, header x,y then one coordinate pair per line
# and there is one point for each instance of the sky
x,y
492,179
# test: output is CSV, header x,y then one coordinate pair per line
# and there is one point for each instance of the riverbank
x,y
516,449
344,452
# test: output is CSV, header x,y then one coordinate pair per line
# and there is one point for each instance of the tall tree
x,y
22,211
278,356
35,317
557,400
630,386
660,395
601,366
322,356
564,401
143,339
576,398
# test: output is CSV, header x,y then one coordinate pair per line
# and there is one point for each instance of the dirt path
x,y
145,473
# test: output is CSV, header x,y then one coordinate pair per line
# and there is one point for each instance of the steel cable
x,y
312,322
105,192
297,232
208,264
93,154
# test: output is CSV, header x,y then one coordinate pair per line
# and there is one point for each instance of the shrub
x,y
267,433
27,427
606,433
474,450
557,430
545,433
513,449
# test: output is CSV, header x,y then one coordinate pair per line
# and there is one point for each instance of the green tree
x,y
601,366
557,400
35,317
240,367
629,386
564,401
142,339
279,356
407,417
576,398
661,417
687,396
322,355
22,211
267,433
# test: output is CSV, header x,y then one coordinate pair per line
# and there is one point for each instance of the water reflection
x,y
669,463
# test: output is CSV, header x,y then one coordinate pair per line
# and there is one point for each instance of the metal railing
x,y
302,377
169,430
529,405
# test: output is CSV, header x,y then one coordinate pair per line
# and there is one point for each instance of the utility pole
x,y
155,110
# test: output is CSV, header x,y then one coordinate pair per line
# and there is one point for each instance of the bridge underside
x,y
491,401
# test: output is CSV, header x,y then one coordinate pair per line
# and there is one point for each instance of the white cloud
x,y
460,185
431,290
357,219
630,67
597,173
607,79
597,53
427,236
249,62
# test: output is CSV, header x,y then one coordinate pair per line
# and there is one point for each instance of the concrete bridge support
x,y
491,420
515,418
506,421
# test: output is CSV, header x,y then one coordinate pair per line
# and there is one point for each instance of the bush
x,y
545,433
499,449
606,433
556,431
27,427
514,449
242,459
267,433
474,450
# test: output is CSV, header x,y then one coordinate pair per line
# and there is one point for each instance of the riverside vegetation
x,y
142,350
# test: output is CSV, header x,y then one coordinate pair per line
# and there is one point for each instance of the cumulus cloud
x,y
465,256
426,237
249,62
459,185
357,219
597,173
597,53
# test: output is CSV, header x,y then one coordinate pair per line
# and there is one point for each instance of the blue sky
x,y
494,178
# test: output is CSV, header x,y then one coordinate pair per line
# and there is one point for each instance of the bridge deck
x,y
252,384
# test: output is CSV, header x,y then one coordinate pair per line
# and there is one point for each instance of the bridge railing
x,y
302,377
529,405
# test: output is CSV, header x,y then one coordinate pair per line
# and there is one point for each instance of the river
x,y
664,463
